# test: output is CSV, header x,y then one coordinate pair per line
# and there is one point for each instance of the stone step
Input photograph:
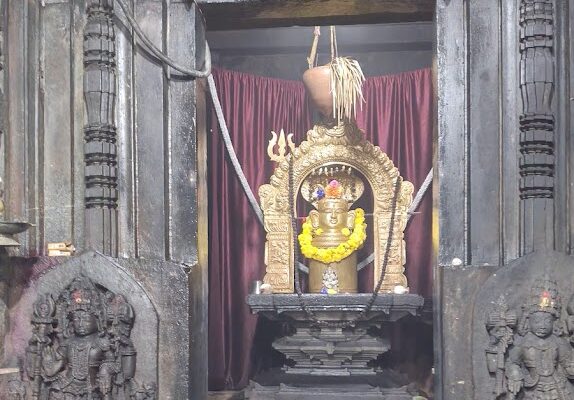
x,y
324,392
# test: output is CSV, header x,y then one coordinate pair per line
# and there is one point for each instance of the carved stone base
x,y
331,351
540,282
330,392
10,384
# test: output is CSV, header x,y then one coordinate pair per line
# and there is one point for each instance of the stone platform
x,y
332,392
332,362
333,351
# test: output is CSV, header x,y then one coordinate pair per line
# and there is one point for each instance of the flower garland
x,y
334,254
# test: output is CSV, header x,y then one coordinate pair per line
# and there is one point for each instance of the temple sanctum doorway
x,y
258,79
286,199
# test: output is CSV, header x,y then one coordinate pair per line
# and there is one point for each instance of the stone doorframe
x,y
503,158
239,14
503,162
36,109
86,159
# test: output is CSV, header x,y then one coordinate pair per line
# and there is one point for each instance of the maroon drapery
x,y
397,117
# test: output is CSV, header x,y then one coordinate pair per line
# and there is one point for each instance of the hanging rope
x,y
206,73
149,46
420,194
231,152
313,54
334,47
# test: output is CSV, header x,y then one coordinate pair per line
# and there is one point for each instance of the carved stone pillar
x,y
100,130
69,66
537,124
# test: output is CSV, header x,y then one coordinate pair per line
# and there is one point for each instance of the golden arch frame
x,y
342,144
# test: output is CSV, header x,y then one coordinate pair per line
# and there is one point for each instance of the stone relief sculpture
x,y
81,348
500,324
532,360
100,130
570,320
16,390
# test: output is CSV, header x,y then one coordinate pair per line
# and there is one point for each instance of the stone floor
x,y
297,387
229,395
239,396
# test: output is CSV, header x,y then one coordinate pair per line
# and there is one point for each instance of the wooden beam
x,y
238,14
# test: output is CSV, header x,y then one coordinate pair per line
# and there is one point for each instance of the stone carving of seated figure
x,y
331,236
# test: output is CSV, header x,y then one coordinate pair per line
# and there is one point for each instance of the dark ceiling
x,y
241,14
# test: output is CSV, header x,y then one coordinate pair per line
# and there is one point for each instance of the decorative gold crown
x,y
335,182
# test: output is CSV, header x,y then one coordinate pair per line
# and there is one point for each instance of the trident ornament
x,y
281,146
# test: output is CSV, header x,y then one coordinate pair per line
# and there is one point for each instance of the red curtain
x,y
397,116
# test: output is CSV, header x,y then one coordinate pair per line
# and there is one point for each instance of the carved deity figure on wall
x,y
333,232
500,323
538,359
81,347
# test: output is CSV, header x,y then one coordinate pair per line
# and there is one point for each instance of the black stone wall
x,y
99,148
504,156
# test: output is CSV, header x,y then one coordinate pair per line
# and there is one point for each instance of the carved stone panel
x,y
522,330
89,332
81,345
101,197
537,123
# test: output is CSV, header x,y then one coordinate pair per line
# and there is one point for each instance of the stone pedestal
x,y
331,351
342,354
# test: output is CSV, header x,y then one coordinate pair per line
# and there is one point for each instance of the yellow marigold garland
x,y
334,254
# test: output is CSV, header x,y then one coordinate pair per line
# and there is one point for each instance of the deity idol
x,y
82,365
120,318
500,325
81,348
540,363
332,234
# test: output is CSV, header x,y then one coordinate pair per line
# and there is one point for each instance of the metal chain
x,y
363,313
410,212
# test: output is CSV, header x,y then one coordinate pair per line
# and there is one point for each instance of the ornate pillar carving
x,y
101,194
537,160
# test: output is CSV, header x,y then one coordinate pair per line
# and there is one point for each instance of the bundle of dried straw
x,y
346,87
346,78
